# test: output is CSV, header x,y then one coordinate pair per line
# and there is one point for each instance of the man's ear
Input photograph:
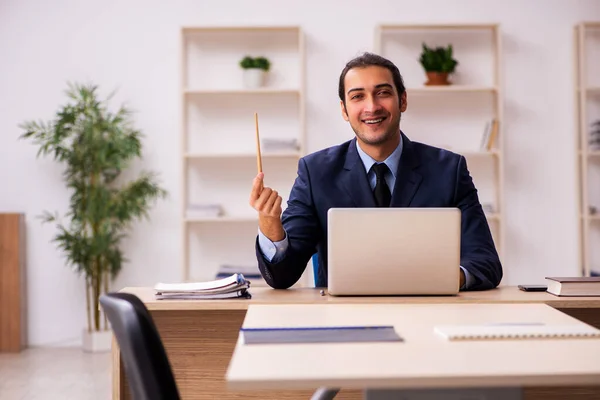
x,y
344,112
403,102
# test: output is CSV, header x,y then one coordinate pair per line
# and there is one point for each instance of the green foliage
x,y
438,59
95,145
257,62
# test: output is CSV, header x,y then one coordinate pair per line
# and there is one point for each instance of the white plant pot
x,y
254,78
97,341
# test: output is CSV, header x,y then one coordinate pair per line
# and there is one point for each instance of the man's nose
x,y
372,105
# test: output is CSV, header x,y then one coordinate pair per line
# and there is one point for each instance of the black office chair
x,y
146,364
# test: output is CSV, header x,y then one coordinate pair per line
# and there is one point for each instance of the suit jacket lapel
x,y
407,180
354,179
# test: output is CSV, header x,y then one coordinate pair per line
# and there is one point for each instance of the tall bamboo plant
x,y
95,145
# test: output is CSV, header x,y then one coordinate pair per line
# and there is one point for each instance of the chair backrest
x,y
146,364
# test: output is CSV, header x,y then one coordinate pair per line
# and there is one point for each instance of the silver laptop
x,y
393,251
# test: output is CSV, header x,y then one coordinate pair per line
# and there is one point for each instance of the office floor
x,y
55,373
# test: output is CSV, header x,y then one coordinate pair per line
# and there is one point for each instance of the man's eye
x,y
385,93
356,96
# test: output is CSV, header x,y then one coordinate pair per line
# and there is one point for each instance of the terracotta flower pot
x,y
437,78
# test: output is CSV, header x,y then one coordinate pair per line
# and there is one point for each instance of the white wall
x,y
133,45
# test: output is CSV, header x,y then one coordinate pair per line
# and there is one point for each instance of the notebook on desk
x,y
507,331
323,334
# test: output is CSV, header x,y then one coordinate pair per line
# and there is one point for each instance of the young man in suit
x,y
380,167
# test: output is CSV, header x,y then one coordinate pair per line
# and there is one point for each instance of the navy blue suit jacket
x,y
335,177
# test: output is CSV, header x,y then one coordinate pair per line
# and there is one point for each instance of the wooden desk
x,y
200,336
424,360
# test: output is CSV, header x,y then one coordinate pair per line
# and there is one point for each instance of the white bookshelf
x,y
218,137
587,100
454,116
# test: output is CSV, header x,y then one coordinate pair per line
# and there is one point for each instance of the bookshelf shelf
x,y
199,220
587,91
452,89
478,153
268,29
236,92
265,155
438,27
218,137
462,121
593,90
591,217
590,153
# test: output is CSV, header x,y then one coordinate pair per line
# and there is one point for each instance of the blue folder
x,y
336,334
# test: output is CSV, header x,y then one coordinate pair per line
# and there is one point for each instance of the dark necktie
x,y
382,191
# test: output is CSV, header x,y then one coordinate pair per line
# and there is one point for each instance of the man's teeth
x,y
373,121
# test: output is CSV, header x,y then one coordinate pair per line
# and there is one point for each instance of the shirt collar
x,y
392,161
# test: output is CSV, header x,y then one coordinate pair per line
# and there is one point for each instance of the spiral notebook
x,y
507,331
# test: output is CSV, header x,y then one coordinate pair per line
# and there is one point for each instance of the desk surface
x,y
501,295
423,360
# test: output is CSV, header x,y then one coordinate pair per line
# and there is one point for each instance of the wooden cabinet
x,y
12,284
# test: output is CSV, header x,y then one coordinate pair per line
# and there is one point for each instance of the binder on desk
x,y
333,334
508,331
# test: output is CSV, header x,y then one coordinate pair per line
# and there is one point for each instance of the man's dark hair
x,y
367,60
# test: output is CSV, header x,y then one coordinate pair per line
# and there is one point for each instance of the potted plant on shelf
x,y
95,146
255,70
438,64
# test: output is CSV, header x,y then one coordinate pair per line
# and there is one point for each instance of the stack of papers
x,y
234,286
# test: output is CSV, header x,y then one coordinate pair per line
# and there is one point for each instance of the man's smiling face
x,y
372,105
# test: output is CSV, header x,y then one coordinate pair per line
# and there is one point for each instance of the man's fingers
x,y
277,206
260,203
257,187
267,200
264,199
269,204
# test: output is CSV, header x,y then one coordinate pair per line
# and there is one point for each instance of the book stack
x,y
231,287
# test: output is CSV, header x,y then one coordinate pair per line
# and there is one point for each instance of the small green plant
x,y
255,62
438,59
